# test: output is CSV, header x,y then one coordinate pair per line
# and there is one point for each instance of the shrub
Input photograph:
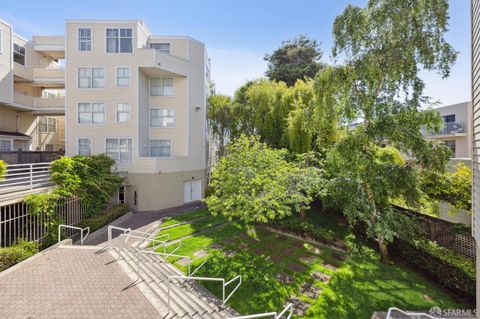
x,y
12,255
103,218
451,270
3,169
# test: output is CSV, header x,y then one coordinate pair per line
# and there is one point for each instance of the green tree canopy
x,y
294,60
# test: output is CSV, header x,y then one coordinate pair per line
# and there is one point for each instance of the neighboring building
x,y
32,99
475,25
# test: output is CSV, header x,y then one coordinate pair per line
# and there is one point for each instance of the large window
x,y
162,87
451,145
84,146
160,148
84,39
162,118
123,77
91,78
18,54
47,124
164,47
91,113
449,118
123,112
120,149
5,145
119,41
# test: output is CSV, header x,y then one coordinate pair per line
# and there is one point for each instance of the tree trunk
x,y
302,213
383,250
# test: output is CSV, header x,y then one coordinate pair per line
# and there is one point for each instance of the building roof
x,y
6,133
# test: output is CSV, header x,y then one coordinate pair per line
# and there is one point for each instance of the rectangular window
x,y
5,145
162,87
164,47
123,112
449,118
18,54
120,149
123,77
48,147
162,118
451,145
91,113
47,124
84,146
160,148
84,39
119,41
89,78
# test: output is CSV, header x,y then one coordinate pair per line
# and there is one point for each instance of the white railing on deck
x,y
82,231
273,315
413,315
21,177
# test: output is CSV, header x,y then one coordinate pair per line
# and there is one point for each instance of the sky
x,y
238,33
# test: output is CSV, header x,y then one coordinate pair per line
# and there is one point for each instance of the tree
x,y
221,119
294,60
384,46
256,183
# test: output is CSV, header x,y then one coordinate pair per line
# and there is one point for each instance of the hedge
x,y
12,255
453,271
103,218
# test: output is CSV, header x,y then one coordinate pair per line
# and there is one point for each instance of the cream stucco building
x,y
120,90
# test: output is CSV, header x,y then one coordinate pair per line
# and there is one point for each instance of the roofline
x,y
185,37
5,22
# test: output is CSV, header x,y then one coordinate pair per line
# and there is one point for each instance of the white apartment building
x,y
137,97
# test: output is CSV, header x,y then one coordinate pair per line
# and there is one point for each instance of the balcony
x,y
49,77
159,63
53,46
50,105
451,128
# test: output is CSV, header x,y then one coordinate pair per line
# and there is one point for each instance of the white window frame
x,y
129,113
90,142
78,39
24,54
162,87
91,113
169,148
48,125
161,109
118,40
152,44
10,141
118,139
45,147
91,77
129,78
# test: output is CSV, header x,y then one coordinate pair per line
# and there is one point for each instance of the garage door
x,y
192,191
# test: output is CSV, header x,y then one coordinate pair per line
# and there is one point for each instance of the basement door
x,y
192,190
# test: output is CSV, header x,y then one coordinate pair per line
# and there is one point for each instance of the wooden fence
x,y
21,157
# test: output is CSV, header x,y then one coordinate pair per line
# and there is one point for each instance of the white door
x,y
192,191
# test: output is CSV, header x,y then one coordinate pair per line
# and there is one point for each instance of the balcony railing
x,y
24,177
39,103
450,128
49,41
49,74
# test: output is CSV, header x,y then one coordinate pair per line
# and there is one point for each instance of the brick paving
x,y
71,283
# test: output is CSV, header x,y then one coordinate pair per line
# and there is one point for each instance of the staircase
x,y
151,275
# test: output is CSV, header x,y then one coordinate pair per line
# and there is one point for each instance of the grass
x,y
196,225
203,212
359,286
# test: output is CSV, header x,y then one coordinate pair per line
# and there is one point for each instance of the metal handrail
x,y
82,238
288,307
415,315
222,280
128,236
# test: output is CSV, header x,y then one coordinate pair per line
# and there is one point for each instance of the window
x,y
91,78
162,118
119,149
449,118
18,54
451,145
47,124
119,41
48,147
84,146
160,148
5,145
123,77
164,47
84,39
161,87
91,113
123,112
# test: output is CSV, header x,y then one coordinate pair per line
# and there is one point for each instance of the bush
x,y
3,169
451,270
12,255
103,218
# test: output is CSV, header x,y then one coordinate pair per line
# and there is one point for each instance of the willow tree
x,y
221,119
384,47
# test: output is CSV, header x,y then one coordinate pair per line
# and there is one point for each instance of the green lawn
x,y
203,212
276,267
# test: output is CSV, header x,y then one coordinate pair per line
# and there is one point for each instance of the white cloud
x,y
232,68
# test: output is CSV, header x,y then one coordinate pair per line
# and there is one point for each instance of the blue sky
x,y
237,33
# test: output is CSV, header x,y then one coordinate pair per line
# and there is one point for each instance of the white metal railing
x,y
82,238
222,280
413,315
21,177
273,315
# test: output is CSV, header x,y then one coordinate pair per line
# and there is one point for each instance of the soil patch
x,y
296,267
284,278
320,276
